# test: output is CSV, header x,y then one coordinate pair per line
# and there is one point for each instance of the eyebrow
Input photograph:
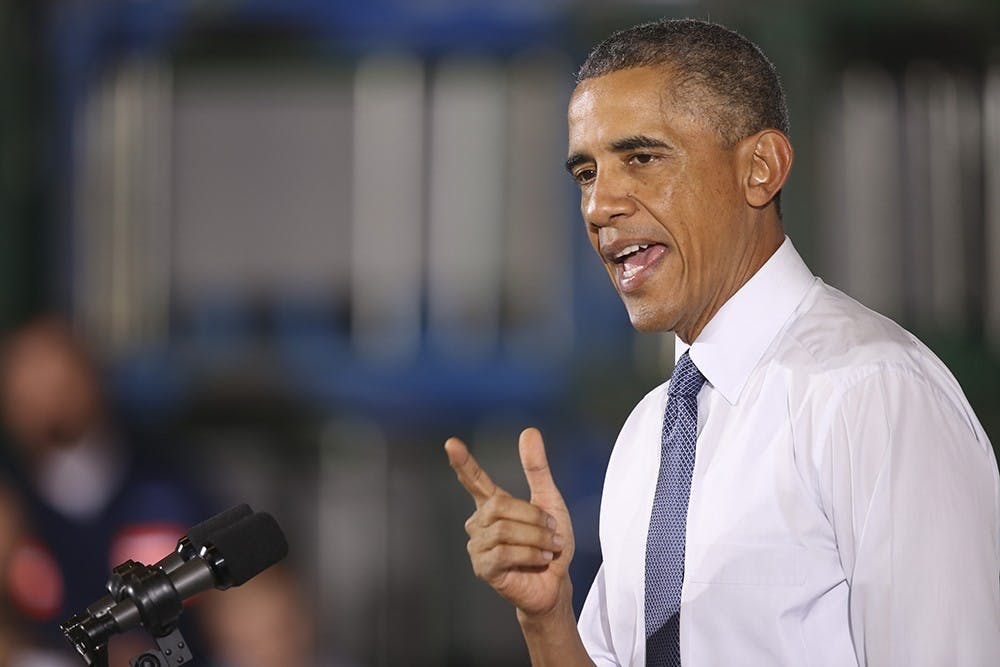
x,y
574,160
626,144
638,141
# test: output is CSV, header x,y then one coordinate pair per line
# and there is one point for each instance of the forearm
x,y
552,638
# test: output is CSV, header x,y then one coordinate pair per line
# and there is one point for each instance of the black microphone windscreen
x,y
201,532
250,546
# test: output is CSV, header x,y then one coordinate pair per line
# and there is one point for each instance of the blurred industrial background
x,y
310,239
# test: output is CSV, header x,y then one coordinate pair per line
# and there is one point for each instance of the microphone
x,y
231,553
188,547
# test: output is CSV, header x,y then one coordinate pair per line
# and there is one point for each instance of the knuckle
x,y
502,554
502,532
488,537
486,566
491,508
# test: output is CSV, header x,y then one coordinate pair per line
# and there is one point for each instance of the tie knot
x,y
686,379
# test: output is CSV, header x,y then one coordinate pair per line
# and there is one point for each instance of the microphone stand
x,y
173,651
157,602
89,636
231,548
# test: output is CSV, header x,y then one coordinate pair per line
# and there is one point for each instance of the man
x,y
83,499
842,505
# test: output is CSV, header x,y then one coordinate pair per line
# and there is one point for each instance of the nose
x,y
608,199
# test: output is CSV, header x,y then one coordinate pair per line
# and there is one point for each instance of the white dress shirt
x,y
845,501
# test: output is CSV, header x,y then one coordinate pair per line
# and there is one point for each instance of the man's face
x,y
661,197
50,396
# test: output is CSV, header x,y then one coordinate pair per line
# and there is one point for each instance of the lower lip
x,y
637,280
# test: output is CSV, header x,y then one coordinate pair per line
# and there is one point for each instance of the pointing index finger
x,y
469,472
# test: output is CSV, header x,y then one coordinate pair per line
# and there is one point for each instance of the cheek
x,y
670,196
696,209
722,188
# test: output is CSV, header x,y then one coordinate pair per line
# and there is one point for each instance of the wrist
x,y
552,636
561,612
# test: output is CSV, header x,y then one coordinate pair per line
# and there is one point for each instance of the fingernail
x,y
547,555
557,540
551,523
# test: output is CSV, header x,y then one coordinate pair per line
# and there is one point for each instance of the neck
x,y
742,268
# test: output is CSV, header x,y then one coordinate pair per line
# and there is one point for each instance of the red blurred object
x,y
35,581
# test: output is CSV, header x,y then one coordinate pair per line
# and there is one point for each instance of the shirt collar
x,y
733,341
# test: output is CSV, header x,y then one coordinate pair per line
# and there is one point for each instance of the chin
x,y
649,321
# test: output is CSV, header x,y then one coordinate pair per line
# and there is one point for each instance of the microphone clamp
x,y
155,604
224,551
152,592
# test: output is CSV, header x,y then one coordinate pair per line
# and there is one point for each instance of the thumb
x,y
536,465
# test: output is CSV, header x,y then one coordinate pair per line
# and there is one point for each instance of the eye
x,y
585,175
642,158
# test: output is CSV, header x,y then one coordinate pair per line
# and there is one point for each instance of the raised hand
x,y
521,548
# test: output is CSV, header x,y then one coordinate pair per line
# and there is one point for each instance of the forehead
x,y
632,100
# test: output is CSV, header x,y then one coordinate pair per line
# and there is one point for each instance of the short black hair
x,y
744,91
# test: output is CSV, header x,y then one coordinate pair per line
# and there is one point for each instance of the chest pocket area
x,y
745,564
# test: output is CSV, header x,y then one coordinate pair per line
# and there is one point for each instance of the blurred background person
x,y
84,497
81,498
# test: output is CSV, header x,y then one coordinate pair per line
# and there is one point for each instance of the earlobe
x,y
769,165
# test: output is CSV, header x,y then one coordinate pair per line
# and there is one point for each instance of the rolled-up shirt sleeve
x,y
914,497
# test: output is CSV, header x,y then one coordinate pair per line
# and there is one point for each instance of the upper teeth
x,y
631,249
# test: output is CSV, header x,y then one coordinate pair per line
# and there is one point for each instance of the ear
x,y
769,163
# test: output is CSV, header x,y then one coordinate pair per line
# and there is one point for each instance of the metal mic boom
x,y
152,595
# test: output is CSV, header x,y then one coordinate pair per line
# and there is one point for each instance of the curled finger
x,y
502,506
516,533
499,560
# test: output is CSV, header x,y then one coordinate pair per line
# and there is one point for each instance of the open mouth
x,y
634,260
